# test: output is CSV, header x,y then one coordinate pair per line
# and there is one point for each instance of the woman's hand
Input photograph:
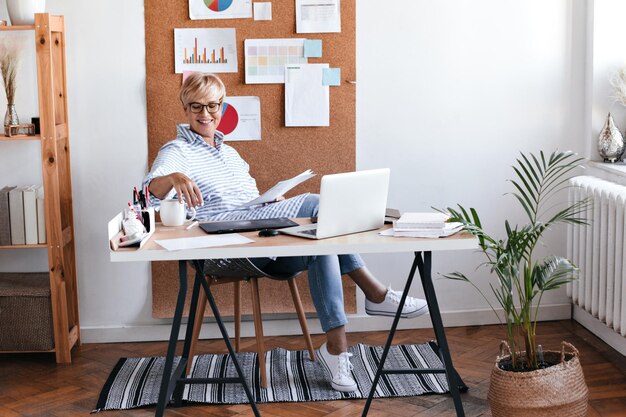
x,y
182,184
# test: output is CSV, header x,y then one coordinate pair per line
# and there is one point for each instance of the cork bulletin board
x,y
282,151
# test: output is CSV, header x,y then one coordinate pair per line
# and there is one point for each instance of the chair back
x,y
238,268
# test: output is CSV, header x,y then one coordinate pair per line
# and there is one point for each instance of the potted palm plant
x,y
525,380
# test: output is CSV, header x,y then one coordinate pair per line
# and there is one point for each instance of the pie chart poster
x,y
241,118
220,9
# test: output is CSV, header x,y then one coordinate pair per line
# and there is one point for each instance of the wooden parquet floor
x,y
33,385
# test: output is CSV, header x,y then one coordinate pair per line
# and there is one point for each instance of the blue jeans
x,y
324,274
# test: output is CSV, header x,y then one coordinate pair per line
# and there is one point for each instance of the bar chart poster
x,y
266,59
220,9
205,50
241,118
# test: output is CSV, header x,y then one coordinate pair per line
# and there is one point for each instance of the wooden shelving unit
x,y
20,137
55,161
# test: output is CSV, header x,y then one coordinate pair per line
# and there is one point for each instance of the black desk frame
x,y
176,382
424,265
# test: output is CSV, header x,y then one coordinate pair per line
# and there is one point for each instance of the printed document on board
x,y
317,16
307,101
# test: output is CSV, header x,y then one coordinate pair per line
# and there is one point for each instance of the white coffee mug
x,y
174,213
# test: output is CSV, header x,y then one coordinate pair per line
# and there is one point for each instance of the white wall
x,y
475,83
606,55
467,85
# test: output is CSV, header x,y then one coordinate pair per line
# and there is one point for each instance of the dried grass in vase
x,y
618,81
9,59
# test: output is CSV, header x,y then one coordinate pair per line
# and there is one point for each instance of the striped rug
x,y
134,382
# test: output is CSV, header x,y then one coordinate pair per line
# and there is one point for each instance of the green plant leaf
x,y
520,281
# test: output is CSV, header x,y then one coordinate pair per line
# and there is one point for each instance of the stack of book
x,y
22,216
424,225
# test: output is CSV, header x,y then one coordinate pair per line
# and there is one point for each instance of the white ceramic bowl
x,y
22,12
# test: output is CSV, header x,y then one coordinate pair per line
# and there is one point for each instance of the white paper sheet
x,y
318,16
266,59
262,10
279,189
241,118
448,230
205,50
220,9
203,241
307,100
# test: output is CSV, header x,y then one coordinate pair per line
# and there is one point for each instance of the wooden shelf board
x,y
17,27
20,137
27,351
42,245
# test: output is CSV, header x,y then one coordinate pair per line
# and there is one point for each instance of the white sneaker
x,y
340,369
413,307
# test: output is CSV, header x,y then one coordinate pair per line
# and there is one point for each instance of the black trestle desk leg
x,y
220,324
433,307
180,387
392,332
168,381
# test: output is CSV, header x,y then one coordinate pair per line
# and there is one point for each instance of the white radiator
x,y
598,251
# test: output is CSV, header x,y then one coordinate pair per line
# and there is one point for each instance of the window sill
x,y
610,172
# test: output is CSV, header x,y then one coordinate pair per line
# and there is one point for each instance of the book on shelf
x,y
5,221
16,214
41,216
29,194
410,221
279,189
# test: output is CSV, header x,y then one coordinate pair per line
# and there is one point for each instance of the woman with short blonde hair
x,y
200,84
210,175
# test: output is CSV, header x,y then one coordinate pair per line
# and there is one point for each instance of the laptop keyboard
x,y
311,232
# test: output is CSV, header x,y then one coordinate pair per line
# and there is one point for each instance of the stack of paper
x,y
423,225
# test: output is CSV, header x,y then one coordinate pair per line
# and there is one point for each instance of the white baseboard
x,y
290,326
595,326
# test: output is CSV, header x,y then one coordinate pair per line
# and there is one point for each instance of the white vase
x,y
22,12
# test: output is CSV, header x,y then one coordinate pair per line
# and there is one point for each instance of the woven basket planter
x,y
557,391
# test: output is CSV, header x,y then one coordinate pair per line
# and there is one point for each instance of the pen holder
x,y
147,216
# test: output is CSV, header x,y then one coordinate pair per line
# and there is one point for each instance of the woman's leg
x,y
379,301
355,268
326,291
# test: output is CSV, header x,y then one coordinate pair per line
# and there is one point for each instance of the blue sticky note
x,y
331,76
312,48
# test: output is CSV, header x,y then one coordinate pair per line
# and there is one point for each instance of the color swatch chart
x,y
266,59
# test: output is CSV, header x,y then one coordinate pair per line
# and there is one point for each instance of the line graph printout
x,y
220,9
205,50
266,59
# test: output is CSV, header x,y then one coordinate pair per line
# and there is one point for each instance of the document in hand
x,y
279,189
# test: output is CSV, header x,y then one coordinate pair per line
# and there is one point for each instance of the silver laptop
x,y
349,203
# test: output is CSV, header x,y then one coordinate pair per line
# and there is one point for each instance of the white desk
x,y
282,245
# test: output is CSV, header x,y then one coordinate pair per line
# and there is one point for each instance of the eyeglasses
x,y
212,107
